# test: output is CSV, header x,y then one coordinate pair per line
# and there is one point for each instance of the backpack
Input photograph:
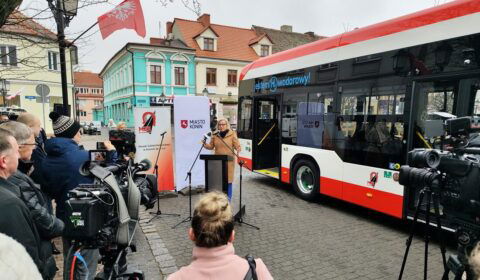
x,y
252,271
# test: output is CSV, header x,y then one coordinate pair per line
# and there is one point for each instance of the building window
x,y
211,76
155,74
180,76
265,50
53,61
208,44
232,78
8,55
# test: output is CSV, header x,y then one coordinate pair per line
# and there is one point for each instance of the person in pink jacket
x,y
214,255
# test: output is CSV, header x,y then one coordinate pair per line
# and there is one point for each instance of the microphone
x,y
215,133
163,133
143,165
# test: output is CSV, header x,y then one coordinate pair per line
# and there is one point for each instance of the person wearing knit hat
x,y
64,126
61,173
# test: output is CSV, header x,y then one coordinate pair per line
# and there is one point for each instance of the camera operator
x,y
60,170
47,224
15,220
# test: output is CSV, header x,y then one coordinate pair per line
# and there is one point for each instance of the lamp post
x,y
4,88
163,98
63,12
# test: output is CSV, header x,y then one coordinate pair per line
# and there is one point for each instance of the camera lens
x,y
422,158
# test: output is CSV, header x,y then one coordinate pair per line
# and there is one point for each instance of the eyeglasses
x,y
222,124
29,144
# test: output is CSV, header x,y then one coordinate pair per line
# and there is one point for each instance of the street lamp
x,y
4,88
63,12
163,98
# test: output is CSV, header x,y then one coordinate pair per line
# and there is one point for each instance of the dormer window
x,y
265,50
208,44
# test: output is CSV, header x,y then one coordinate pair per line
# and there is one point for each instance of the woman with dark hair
x,y
213,233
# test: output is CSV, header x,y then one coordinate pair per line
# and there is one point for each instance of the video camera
x,y
105,214
454,175
123,140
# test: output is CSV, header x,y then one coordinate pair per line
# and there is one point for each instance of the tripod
x,y
189,177
241,212
430,195
159,212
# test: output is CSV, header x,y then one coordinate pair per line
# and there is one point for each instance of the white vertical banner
x,y
191,122
150,124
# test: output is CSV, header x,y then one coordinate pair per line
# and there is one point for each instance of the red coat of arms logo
x,y
184,123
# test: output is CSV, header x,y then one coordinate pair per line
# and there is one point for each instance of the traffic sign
x,y
42,90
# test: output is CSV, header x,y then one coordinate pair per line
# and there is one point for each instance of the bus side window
x,y
244,129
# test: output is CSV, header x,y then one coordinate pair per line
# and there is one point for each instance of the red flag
x,y
127,14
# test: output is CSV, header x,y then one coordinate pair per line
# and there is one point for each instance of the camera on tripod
x,y
105,214
453,177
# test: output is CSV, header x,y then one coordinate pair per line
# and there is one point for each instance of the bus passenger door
x,y
266,145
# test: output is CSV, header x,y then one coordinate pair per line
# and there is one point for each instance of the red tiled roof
x,y
21,24
205,29
232,44
258,39
87,79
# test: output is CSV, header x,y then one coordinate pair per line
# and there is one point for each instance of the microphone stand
x,y
189,177
239,216
158,213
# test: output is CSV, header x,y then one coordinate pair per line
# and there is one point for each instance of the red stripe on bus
x,y
285,176
422,18
384,202
381,201
331,187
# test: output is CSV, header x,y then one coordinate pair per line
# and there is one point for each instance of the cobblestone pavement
x,y
325,239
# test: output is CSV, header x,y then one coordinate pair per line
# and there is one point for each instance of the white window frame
x,y
7,51
180,57
162,73
57,54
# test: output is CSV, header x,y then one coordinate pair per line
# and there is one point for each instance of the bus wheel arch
x,y
305,176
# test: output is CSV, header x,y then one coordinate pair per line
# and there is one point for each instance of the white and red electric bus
x,y
338,116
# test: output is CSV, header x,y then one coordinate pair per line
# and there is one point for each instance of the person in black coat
x,y
15,220
46,223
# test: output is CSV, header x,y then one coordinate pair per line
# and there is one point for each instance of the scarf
x,y
223,133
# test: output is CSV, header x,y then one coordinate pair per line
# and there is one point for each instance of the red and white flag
x,y
127,15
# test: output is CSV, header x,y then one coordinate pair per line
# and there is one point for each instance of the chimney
x,y
204,20
310,33
286,28
169,27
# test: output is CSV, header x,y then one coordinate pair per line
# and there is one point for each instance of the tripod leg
x,y
427,234
436,206
412,231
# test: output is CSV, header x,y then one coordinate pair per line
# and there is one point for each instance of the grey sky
x,y
324,17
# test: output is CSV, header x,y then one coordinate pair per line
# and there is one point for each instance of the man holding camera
x,y
60,170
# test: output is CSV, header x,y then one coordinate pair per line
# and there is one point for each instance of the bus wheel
x,y
306,179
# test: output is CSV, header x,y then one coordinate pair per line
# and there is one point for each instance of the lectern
x,y
216,172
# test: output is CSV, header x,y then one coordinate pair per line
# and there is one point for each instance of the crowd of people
x,y
36,170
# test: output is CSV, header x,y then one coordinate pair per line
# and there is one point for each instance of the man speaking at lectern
x,y
224,141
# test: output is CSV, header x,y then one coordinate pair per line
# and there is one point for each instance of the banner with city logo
x,y
191,123
150,124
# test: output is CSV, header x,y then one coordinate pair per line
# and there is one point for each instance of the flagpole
x,y
83,33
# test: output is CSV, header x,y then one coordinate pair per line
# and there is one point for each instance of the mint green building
x,y
146,75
